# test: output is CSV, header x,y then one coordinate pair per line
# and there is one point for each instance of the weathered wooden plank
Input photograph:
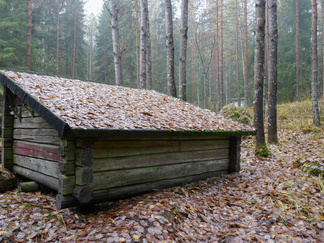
x,y
84,175
7,132
40,165
41,178
27,114
196,145
69,144
118,178
8,121
120,163
7,153
66,184
67,167
133,190
48,152
105,149
36,132
80,141
7,142
83,194
84,157
36,122
65,201
235,155
55,140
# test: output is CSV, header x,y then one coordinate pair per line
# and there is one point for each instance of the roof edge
x,y
57,123
92,132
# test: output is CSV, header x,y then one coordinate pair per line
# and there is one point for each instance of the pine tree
x,y
272,104
260,144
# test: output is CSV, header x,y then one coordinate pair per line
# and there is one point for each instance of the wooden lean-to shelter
x,y
93,142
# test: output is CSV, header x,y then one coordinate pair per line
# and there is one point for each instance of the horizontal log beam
x,y
109,179
46,180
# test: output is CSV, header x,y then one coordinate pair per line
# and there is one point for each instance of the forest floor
x,y
274,199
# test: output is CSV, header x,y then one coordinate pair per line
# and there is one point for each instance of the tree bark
x,y
246,82
116,42
323,53
171,87
273,47
137,48
216,86
183,51
29,28
149,81
58,37
315,110
237,53
297,51
259,77
74,43
143,45
221,57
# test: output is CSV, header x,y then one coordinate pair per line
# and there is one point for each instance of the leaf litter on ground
x,y
274,199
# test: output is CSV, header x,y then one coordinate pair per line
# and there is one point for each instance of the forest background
x,y
215,45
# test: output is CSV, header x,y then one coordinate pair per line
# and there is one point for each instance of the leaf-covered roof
x,y
89,105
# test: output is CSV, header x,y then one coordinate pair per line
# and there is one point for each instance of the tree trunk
x,y
246,83
137,48
116,43
58,36
91,57
297,51
261,148
237,53
29,28
149,82
74,43
315,110
266,57
192,76
273,47
171,87
221,58
216,86
183,51
323,53
143,45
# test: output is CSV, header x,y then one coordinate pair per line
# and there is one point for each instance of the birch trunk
x,y
58,37
171,87
183,51
259,77
29,27
143,45
297,51
116,43
315,110
246,83
273,47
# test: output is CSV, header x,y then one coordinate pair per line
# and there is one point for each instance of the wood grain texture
x,y
109,179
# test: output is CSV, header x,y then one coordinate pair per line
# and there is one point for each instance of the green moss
x,y
239,114
261,150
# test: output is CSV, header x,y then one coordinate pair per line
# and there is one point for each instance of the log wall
x,y
111,168
39,153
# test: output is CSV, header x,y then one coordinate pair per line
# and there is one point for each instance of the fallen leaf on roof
x,y
94,105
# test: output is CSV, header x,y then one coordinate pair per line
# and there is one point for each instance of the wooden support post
x,y
7,131
234,154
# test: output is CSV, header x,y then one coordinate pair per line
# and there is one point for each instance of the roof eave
x,y
57,123
91,132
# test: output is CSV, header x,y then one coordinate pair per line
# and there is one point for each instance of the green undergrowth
x,y
298,116
237,114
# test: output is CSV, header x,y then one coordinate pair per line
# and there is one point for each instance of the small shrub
x,y
237,113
